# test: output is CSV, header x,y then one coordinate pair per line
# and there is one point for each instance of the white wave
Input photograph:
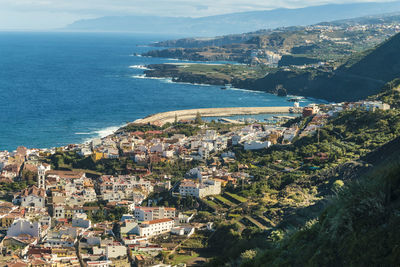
x,y
143,76
106,131
245,90
83,133
139,67
102,133
197,84
140,76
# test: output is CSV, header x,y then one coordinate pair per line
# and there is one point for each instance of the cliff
x,y
360,76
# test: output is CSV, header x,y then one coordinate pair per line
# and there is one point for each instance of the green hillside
x,y
362,75
343,211
382,63
390,94
359,228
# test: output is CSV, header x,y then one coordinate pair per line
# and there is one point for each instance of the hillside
x,y
382,63
233,23
320,212
358,228
390,94
361,76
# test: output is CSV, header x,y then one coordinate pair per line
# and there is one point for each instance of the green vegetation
x,y
390,94
106,214
14,186
225,201
176,259
7,190
363,214
226,71
289,183
347,137
236,197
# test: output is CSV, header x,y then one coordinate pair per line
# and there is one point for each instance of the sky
x,y
53,14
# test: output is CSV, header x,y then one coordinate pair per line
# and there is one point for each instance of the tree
x,y
198,119
337,185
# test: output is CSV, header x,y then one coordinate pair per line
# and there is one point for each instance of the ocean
x,y
63,88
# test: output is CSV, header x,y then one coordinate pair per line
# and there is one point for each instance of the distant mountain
x,y
193,42
235,22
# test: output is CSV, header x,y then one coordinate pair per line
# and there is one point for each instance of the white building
x,y
31,197
85,151
180,230
41,177
153,213
80,220
154,227
23,226
207,187
255,145
60,242
98,263
59,212
373,105
64,237
168,153
128,227
115,251
89,195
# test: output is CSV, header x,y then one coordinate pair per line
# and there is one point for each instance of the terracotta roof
x,y
153,208
33,190
66,174
30,167
157,221
17,264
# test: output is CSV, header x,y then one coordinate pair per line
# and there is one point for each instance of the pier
x,y
164,117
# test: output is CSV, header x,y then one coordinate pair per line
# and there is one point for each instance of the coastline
x,y
169,116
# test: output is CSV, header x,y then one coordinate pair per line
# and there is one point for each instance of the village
x,y
142,216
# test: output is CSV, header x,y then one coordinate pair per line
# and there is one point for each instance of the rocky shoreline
x,y
172,71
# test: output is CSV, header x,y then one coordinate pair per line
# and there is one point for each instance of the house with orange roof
x,y
31,197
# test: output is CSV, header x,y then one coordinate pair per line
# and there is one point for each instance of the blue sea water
x,y
62,88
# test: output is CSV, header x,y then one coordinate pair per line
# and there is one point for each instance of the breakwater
x,y
164,117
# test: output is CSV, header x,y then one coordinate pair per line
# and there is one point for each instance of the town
x,y
147,195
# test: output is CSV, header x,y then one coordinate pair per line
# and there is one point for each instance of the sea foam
x,y
139,67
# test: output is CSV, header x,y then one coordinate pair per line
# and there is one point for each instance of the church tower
x,y
41,177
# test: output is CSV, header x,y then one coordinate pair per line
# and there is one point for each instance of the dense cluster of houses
x,y
46,221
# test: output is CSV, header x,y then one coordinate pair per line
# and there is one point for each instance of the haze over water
x,y
62,88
